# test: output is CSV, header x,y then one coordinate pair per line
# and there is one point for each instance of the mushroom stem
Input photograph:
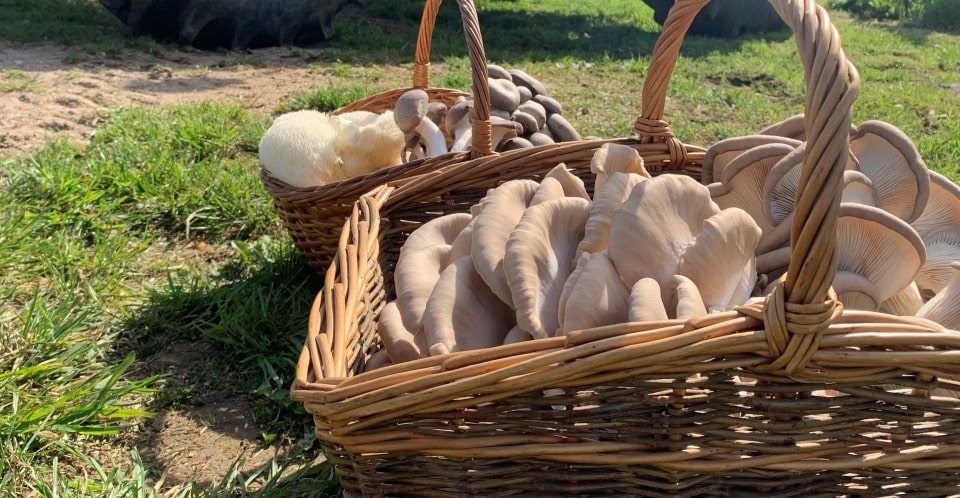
x,y
462,141
432,137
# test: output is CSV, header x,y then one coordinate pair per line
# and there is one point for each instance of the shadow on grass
x,y
226,346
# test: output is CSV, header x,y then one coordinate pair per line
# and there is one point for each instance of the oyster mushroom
x,y
498,72
939,227
463,244
944,308
791,127
423,257
685,299
615,191
410,114
540,256
904,303
549,104
525,93
503,129
517,334
527,122
561,130
645,303
571,185
615,158
893,164
521,78
535,110
463,314
397,340
504,207
723,152
741,181
597,298
503,94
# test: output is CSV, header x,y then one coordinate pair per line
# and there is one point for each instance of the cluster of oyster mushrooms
x,y
534,260
899,223
522,115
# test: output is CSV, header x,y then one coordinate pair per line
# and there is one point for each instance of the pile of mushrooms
x,y
522,115
535,260
898,232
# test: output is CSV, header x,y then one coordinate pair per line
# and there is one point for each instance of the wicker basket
x,y
792,397
314,215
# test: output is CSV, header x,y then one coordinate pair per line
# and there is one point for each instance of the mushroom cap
x,y
525,93
463,314
423,257
549,104
521,78
891,161
536,111
379,359
516,335
723,152
298,149
550,189
504,206
503,94
597,298
721,259
615,191
365,148
791,127
561,130
515,143
904,303
540,257
578,267
742,180
645,303
463,244
662,216
457,114
410,109
507,128
615,158
537,139
939,227
360,118
856,292
944,308
572,185
397,340
498,72
528,122
437,112
858,188
685,299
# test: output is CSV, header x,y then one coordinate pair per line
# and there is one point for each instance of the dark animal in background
x,y
232,24
726,18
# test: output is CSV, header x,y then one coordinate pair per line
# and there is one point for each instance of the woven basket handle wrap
x,y
481,141
801,305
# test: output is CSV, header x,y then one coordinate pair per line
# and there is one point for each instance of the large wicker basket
x,y
792,397
314,215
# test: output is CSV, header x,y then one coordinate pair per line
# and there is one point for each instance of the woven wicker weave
x,y
314,215
792,397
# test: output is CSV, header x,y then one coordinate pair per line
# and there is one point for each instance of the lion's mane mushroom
x,y
423,257
944,308
615,191
597,297
368,143
939,227
410,114
742,180
663,216
500,212
720,154
298,149
540,256
645,303
878,255
615,158
463,314
397,340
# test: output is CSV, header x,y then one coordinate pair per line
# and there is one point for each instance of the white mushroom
x,y
598,297
463,244
572,185
410,114
662,216
578,267
367,145
720,261
720,154
458,124
298,149
944,308
939,227
615,158
893,164
423,257
462,314
397,340
615,191
685,299
905,303
540,257
645,303
500,212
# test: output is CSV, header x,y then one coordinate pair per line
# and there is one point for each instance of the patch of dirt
x,y
70,99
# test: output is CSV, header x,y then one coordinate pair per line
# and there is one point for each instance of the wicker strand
x,y
421,66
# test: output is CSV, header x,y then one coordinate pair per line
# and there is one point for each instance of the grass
x,y
100,260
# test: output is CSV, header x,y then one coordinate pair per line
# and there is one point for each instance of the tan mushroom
x,y
742,180
685,299
423,257
517,334
540,257
791,127
662,216
893,164
377,360
597,298
462,314
723,152
944,308
615,158
858,188
397,340
578,267
505,205
410,115
939,227
615,191
720,261
645,303
463,244
905,303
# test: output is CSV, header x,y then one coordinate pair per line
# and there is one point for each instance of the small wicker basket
x,y
314,215
791,397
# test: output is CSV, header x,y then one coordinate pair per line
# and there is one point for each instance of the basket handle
x,y
481,141
802,304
